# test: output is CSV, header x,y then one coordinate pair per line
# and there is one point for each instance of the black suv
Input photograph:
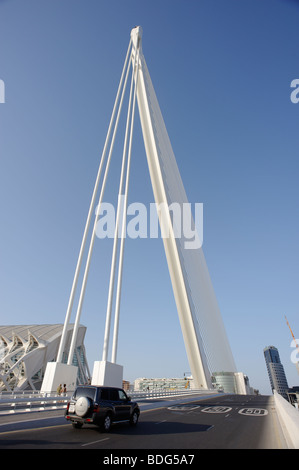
x,y
101,406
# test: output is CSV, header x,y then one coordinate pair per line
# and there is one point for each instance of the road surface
x,y
219,422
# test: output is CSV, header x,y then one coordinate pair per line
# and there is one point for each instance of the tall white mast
x,y
193,344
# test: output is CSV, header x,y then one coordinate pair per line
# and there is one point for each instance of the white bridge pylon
x,y
201,323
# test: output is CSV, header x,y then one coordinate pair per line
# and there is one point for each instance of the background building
x,y
232,382
276,372
143,384
293,396
25,351
227,382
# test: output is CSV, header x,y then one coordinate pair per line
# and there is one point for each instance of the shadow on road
x,y
148,428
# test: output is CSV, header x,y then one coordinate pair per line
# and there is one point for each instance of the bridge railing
x,y
164,393
288,417
26,402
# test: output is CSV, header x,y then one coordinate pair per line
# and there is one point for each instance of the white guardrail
x,y
25,402
288,417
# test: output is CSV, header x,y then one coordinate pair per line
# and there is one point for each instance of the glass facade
x,y
276,372
224,381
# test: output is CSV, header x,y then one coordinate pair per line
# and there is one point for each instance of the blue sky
x,y
222,72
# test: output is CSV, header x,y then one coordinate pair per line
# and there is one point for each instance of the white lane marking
x,y
183,407
94,442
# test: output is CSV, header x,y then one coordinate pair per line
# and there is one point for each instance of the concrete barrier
x,y
288,417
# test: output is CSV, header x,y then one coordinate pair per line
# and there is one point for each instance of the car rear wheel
x,y
134,418
106,426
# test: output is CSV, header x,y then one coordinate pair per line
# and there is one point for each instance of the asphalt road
x,y
221,422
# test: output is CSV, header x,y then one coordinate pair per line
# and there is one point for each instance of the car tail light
x,y
96,408
67,406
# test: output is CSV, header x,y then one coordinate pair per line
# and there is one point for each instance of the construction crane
x,y
295,342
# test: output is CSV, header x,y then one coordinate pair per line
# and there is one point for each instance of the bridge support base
x,y
58,373
107,373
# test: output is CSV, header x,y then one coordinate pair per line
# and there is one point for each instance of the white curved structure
x,y
25,351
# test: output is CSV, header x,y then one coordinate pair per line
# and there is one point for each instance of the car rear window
x,y
85,392
105,394
114,395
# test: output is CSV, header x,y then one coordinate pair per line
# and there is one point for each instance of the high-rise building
x,y
276,372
